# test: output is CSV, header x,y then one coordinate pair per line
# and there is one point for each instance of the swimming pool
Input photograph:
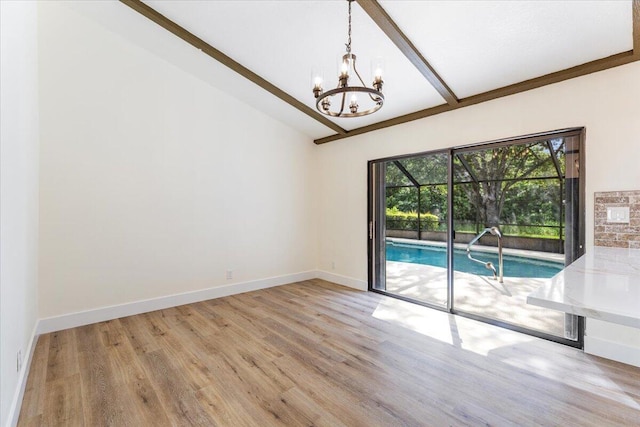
x,y
513,266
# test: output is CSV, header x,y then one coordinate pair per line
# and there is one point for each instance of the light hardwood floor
x,y
314,353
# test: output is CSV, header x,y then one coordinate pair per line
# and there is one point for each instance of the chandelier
x,y
371,97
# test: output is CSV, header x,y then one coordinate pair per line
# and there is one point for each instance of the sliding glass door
x,y
474,230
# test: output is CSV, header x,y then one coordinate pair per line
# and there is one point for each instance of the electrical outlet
x,y
333,265
229,274
19,361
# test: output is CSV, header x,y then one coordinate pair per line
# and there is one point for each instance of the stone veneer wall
x,y
614,234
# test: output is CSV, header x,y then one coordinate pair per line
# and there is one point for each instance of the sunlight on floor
x,y
464,333
503,345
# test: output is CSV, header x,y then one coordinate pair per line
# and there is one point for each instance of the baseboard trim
x,y
16,404
612,350
72,320
360,285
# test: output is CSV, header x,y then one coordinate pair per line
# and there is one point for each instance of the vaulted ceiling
x,y
439,55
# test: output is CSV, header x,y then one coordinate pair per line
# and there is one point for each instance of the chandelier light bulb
x,y
326,104
353,105
377,69
317,87
317,79
344,69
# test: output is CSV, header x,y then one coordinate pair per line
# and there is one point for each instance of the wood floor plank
x,y
304,403
184,359
191,314
62,361
316,354
241,396
64,405
228,408
212,310
131,378
33,402
247,317
31,422
140,333
179,398
104,403
318,388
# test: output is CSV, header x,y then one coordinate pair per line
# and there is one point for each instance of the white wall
x,y
153,182
18,191
606,103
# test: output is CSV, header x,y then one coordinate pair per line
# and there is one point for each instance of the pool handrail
x,y
489,265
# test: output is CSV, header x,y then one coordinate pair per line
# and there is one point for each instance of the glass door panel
x,y
411,228
510,199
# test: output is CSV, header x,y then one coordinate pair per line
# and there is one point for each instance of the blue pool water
x,y
513,266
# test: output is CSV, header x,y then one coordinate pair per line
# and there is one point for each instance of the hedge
x,y
398,220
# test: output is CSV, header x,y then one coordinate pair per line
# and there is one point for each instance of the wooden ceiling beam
x,y
214,53
393,32
570,73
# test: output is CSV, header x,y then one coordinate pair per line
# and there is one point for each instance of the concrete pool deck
x,y
476,294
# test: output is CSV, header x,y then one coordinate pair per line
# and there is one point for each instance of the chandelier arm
x,y
344,96
374,99
358,74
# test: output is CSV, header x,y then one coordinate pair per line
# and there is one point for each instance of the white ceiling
x,y
475,46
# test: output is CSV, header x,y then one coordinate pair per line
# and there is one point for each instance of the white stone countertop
x,y
603,284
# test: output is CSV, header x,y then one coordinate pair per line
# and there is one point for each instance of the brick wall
x,y
614,234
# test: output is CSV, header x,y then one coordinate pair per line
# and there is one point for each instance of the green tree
x,y
487,177
491,186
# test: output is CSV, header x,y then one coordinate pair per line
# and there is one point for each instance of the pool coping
x,y
542,256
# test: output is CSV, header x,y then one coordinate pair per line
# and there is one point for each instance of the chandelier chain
x,y
349,34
